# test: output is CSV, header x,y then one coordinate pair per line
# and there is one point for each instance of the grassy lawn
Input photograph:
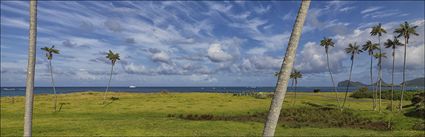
x,y
137,114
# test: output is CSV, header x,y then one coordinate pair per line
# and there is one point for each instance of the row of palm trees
x,y
405,30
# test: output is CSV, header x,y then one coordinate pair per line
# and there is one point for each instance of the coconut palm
x,y
370,48
352,49
49,54
295,75
379,56
113,57
393,44
377,31
327,43
285,71
29,96
405,31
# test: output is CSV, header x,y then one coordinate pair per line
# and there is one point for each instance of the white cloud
x,y
216,54
370,9
161,57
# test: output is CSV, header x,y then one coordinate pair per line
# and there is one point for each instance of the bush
x,y
363,92
316,90
418,101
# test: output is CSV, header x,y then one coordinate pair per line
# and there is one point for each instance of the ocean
x,y
20,91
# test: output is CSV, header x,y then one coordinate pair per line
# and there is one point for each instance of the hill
x,y
352,84
415,82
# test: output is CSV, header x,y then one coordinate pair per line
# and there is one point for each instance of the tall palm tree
x,y
295,75
352,49
405,30
49,54
29,96
377,31
285,71
113,57
379,56
393,44
370,48
327,43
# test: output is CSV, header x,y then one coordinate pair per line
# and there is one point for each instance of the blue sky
x,y
207,43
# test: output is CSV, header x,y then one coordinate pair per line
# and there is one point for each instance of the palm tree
x,y
29,96
49,54
113,57
377,31
379,56
327,42
370,48
295,75
393,45
285,71
352,49
405,30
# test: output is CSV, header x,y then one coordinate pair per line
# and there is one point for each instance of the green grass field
x,y
147,114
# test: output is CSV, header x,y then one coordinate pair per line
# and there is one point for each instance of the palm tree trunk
x,y
372,84
292,88
29,96
107,87
332,78
403,86
380,74
392,81
285,71
348,85
53,83
295,90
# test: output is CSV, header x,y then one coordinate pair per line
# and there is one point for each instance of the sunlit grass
x,y
146,114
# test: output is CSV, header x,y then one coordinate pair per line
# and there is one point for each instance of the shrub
x,y
418,101
316,90
363,92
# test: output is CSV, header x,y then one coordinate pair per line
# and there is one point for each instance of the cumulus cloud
x,y
312,59
135,69
216,54
161,57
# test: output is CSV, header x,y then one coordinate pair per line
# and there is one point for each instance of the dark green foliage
x,y
316,90
364,93
322,117
418,101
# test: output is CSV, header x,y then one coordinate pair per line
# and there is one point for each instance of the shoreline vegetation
x,y
207,114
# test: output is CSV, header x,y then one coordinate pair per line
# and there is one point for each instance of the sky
x,y
201,43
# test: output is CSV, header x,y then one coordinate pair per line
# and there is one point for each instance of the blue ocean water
x,y
20,91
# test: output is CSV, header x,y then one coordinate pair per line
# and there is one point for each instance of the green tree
x,y
370,48
327,43
113,57
352,49
29,96
379,56
49,55
405,30
295,75
393,44
285,71
378,30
